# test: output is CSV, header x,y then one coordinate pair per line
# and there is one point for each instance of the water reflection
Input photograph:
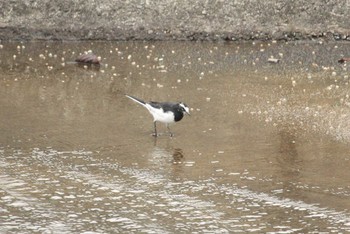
x,y
289,159
92,67
166,154
289,162
178,156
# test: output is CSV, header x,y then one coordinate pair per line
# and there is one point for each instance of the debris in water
x,y
88,58
273,60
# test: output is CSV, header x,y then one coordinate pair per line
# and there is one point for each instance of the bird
x,y
164,112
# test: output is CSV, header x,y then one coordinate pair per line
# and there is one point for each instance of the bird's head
x,y
184,108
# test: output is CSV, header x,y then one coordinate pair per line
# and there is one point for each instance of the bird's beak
x,y
187,111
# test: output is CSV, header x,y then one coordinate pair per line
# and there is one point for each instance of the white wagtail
x,y
165,112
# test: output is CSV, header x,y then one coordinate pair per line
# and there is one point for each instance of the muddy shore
x,y
174,20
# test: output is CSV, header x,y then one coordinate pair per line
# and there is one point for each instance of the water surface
x,y
266,148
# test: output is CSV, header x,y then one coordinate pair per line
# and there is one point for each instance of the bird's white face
x,y
185,108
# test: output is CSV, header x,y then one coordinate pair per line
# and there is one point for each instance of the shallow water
x,y
264,150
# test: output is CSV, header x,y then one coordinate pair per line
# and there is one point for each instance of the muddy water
x,y
266,148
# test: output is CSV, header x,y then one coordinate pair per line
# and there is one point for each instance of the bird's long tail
x,y
139,101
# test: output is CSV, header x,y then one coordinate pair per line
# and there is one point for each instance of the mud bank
x,y
174,20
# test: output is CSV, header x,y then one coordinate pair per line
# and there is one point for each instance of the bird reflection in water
x,y
178,156
166,154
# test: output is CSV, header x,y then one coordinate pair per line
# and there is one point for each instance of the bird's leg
x,y
167,126
155,129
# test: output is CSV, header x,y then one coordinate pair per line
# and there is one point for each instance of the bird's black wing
x,y
166,106
155,104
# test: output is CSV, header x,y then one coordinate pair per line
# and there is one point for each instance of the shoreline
x,y
24,34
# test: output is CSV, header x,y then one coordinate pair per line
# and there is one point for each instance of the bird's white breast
x,y
161,116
